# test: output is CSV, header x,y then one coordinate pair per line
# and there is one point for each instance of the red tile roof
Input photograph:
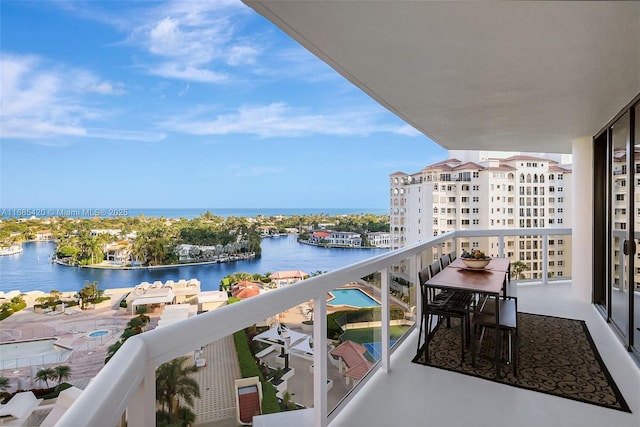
x,y
249,405
290,274
352,355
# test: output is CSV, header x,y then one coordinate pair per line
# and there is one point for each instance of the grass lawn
x,y
365,335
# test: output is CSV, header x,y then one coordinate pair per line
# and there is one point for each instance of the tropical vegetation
x,y
518,268
175,386
59,374
153,241
16,304
249,368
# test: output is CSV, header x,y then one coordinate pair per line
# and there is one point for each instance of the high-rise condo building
x,y
485,190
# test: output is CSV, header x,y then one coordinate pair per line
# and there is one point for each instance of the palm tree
x,y
46,374
173,382
62,373
518,269
4,383
113,348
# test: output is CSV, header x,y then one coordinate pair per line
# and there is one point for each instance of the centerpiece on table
x,y
474,259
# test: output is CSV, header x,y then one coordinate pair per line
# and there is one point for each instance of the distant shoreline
x,y
306,242
189,213
157,267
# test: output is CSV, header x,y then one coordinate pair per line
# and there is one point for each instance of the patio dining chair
x,y
442,305
445,260
484,317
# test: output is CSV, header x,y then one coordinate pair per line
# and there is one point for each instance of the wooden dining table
x,y
490,281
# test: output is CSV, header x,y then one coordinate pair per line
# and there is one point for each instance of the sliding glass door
x,y
616,190
623,245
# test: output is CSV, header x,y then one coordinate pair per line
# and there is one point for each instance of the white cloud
x,y
176,70
280,120
42,100
196,40
407,130
242,55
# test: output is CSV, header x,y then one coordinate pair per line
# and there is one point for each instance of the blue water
x,y
353,298
31,270
98,334
181,213
375,348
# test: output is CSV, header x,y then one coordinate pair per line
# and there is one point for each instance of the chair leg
x,y
462,340
420,331
515,344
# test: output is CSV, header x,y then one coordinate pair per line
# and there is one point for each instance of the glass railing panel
x,y
274,355
283,348
353,332
559,260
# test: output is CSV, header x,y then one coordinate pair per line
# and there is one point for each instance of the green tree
x,y
135,326
113,348
61,373
18,300
174,382
4,383
518,268
46,374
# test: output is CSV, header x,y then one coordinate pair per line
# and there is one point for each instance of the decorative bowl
x,y
475,262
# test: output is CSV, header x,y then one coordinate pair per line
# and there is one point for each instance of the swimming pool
x,y
375,348
97,334
21,354
351,297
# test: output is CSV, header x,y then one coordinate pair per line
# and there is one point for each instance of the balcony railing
x,y
127,382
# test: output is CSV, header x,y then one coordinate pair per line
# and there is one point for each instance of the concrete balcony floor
x,y
416,395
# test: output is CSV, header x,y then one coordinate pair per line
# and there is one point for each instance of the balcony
x,y
394,391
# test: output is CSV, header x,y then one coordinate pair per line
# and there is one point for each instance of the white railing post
x,y
320,359
385,319
141,411
545,259
416,266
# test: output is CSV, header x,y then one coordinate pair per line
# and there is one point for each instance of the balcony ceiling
x,y
512,76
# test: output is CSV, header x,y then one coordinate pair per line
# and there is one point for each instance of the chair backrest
x,y
444,260
423,276
434,268
453,255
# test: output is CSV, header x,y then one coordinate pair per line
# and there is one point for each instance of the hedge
x,y
249,368
336,319
12,309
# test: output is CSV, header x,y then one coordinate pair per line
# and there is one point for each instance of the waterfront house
x,y
118,252
319,237
44,235
379,239
99,231
508,76
287,277
345,239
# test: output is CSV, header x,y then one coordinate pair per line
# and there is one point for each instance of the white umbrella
x,y
305,346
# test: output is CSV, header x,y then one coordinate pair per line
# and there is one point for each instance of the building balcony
x,y
392,391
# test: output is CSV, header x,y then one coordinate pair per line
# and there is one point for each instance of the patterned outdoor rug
x,y
557,356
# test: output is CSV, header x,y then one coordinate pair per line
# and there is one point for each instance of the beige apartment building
x,y
488,191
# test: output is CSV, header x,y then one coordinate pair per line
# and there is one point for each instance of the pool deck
x,y
71,330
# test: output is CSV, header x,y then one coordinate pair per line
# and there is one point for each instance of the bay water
x,y
32,269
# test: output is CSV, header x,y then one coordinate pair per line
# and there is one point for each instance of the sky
x,y
180,104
